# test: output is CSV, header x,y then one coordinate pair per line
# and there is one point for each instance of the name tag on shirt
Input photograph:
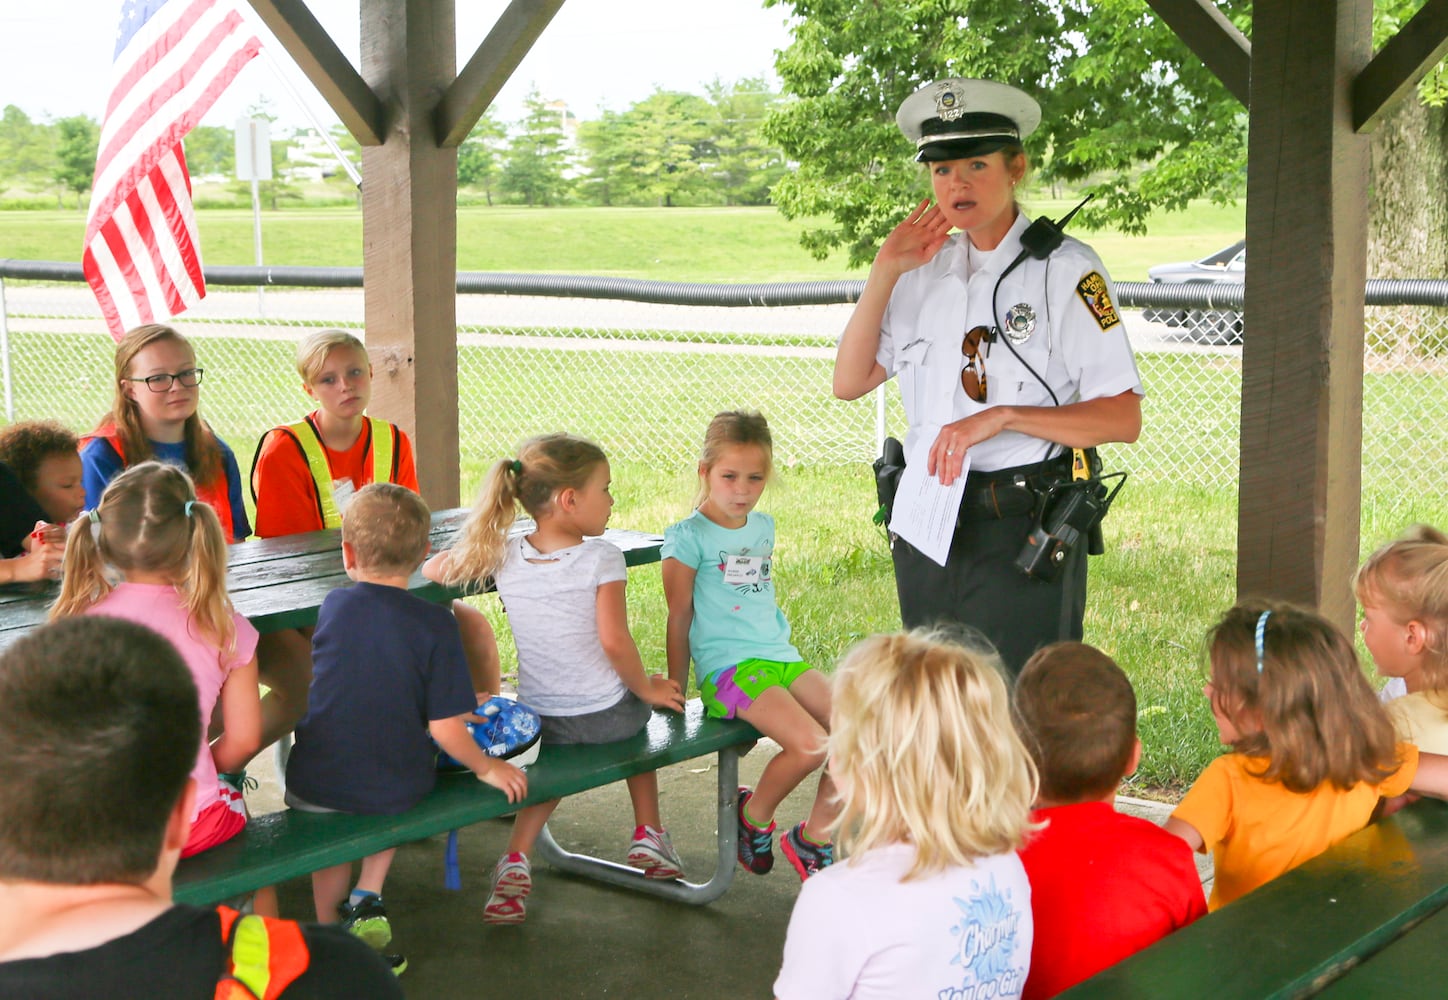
x,y
342,490
739,570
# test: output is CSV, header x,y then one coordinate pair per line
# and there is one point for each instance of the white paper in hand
x,y
925,512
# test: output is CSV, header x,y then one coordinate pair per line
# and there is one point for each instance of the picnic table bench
x,y
1366,918
279,583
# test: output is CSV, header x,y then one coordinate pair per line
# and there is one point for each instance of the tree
x,y
1128,112
478,155
77,139
210,151
671,137
536,159
745,165
1117,90
26,154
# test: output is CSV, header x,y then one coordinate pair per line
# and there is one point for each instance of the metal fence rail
x,y
640,366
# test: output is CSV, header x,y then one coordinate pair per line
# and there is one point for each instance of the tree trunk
x,y
1408,227
1408,214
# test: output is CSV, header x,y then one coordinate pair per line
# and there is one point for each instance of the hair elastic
x,y
1261,638
516,468
94,514
189,505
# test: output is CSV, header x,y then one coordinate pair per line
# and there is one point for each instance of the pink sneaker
x,y
653,853
512,881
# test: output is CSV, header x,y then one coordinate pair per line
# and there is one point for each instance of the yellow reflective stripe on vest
x,y
316,454
251,954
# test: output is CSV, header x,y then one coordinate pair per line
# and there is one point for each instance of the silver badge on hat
x,y
1020,323
948,105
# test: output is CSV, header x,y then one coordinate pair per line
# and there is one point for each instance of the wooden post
x,y
1302,359
409,235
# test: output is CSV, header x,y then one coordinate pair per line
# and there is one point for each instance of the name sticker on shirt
x,y
342,490
743,570
1092,290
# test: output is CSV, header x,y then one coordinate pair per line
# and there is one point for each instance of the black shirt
x,y
179,956
18,514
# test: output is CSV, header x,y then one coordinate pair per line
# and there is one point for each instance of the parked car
x,y
1215,326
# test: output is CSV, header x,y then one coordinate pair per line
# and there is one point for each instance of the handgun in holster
x,y
888,468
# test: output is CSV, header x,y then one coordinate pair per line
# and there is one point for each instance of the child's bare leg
x,y
528,824
284,660
374,871
329,888
801,739
643,791
480,646
812,691
264,902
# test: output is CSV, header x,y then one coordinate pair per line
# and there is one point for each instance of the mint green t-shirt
x,y
735,613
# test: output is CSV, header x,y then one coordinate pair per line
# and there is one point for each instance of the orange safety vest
x,y
383,449
264,956
215,494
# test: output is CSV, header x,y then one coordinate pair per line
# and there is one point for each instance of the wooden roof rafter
x,y
1397,67
331,72
1213,39
478,83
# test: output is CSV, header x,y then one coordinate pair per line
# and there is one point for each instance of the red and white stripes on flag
x,y
173,59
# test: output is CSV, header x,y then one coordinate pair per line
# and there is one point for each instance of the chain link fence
x,y
641,366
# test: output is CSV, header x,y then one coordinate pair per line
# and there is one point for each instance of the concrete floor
x,y
583,939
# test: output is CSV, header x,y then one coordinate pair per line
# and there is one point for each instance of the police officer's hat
x,y
956,118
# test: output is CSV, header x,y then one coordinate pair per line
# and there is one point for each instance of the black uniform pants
x,y
981,587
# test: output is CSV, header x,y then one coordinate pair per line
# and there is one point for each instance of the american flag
x,y
173,59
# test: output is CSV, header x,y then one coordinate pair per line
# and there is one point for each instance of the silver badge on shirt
x,y
1020,323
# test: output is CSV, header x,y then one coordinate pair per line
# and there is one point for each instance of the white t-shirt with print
x,y
858,932
552,605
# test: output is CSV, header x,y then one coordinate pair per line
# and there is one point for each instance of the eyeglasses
x,y
972,376
190,378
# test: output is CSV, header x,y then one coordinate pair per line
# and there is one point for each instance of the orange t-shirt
x,y
286,496
1257,829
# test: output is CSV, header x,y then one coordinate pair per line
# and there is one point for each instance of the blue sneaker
x,y
756,846
807,858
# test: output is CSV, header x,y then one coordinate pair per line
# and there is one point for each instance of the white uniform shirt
x,y
1080,349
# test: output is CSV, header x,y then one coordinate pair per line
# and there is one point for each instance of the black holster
x,y
888,468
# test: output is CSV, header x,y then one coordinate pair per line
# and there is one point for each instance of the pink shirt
x,y
160,607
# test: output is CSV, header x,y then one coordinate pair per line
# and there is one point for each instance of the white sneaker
x,y
653,853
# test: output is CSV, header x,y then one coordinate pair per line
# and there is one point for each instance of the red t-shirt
x,y
1104,885
286,497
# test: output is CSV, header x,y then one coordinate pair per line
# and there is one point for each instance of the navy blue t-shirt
x,y
384,664
18,514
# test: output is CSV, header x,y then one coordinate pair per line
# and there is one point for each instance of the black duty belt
x,y
1003,493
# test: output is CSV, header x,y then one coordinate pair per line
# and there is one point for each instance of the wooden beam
x,y
409,236
490,66
1302,357
308,43
1418,46
1216,41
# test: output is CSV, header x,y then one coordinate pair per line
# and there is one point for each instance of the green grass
x,y
1170,565
676,244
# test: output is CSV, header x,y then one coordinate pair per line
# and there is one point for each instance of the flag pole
x,y
306,110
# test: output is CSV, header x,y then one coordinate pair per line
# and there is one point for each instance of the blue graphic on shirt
x,y
985,947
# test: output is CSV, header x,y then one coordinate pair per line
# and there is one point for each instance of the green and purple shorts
x,y
736,687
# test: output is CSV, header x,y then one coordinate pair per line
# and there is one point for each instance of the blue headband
x,y
1261,638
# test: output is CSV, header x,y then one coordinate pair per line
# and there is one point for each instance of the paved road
x,y
56,309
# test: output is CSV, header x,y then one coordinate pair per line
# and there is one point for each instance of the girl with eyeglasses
x,y
1006,361
154,417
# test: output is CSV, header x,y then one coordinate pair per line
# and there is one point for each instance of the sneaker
x,y
653,853
756,846
512,881
808,858
396,963
367,920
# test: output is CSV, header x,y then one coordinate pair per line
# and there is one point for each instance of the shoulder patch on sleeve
x,y
1092,290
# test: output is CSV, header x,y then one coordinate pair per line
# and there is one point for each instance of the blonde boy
x,y
389,672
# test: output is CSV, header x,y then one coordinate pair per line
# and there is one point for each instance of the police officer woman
x,y
1010,367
